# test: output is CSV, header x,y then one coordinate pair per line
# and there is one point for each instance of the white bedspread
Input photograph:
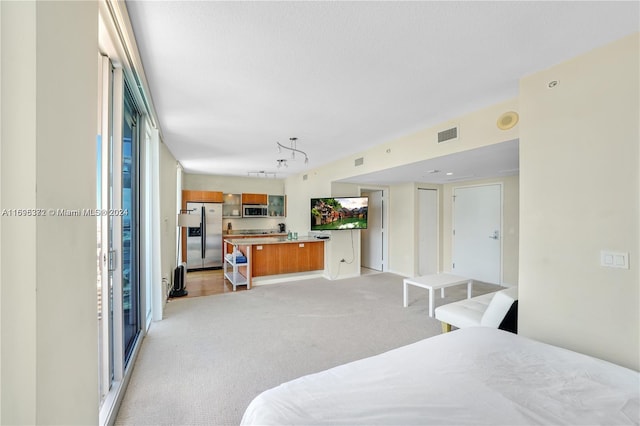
x,y
472,376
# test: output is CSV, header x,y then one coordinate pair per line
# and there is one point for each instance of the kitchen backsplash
x,y
257,223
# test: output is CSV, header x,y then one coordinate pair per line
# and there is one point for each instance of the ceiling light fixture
x,y
293,148
282,162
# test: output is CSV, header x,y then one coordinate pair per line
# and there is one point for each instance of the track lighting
x,y
293,148
262,173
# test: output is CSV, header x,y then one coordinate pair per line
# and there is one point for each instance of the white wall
x,y
49,325
579,187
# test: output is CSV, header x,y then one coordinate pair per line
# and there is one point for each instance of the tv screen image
x,y
337,213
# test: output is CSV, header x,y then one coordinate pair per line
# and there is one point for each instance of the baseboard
x,y
402,274
340,277
275,279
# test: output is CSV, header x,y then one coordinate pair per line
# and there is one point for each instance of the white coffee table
x,y
436,281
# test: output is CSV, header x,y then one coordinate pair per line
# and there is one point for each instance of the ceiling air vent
x,y
359,161
447,135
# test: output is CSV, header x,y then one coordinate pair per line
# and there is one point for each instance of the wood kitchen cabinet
x,y
299,256
201,196
310,257
269,259
254,199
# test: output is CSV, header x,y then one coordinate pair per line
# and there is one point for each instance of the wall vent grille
x,y
447,135
359,161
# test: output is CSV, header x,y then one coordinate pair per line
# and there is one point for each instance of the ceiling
x,y
229,80
495,160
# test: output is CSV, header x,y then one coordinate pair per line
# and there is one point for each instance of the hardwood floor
x,y
207,283
211,282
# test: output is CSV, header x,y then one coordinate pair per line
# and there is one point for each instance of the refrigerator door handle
x,y
203,231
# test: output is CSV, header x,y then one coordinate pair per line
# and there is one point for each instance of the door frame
x,y
385,222
114,367
453,223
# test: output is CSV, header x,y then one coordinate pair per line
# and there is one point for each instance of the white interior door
x,y
427,231
371,239
477,232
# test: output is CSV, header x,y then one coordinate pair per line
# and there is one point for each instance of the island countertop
x,y
273,256
252,234
273,240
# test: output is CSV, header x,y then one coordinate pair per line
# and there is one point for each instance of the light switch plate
x,y
612,259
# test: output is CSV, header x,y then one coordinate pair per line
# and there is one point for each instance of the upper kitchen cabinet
x,y
254,199
232,206
201,196
277,205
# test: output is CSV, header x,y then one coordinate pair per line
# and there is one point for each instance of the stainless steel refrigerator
x,y
204,244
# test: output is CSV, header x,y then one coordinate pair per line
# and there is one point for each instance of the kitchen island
x,y
271,256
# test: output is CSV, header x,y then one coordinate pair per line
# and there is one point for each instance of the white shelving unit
x,y
231,269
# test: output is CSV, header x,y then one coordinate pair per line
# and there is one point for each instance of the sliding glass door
x,y
118,232
130,226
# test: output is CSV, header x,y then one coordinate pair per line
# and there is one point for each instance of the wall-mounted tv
x,y
330,214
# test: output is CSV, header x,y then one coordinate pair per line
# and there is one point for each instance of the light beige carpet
x,y
211,356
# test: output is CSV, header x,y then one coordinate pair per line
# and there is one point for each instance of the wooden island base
x,y
273,256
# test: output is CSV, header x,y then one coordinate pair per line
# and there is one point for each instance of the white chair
x,y
498,310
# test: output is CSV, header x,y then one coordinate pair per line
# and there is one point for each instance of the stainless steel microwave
x,y
254,210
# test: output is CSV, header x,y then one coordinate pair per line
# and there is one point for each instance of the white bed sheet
x,y
472,376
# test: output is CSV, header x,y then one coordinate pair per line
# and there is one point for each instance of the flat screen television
x,y
338,213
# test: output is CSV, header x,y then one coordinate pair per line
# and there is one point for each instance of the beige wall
x,y
299,191
477,129
238,185
402,238
579,188
49,360
344,244
18,357
168,214
233,184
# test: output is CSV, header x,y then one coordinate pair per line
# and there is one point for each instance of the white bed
x,y
472,376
